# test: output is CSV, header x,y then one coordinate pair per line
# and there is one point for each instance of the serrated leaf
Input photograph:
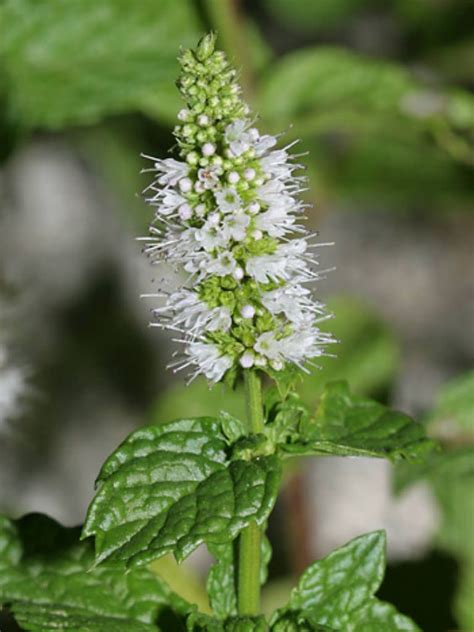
x,y
349,425
349,576
40,618
221,579
75,62
45,579
378,616
170,487
338,590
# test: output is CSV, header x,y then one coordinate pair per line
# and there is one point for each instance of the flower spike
x,y
228,213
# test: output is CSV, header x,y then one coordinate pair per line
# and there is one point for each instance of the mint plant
x,y
227,214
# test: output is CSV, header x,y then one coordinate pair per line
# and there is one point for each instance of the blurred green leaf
x,y
464,603
349,425
76,62
47,581
338,590
313,16
451,476
197,400
455,61
373,130
454,409
366,353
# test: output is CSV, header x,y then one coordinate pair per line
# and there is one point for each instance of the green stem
x,y
253,397
248,580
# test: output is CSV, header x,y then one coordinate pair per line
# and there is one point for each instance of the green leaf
x,y
447,467
464,604
378,616
320,80
170,487
197,400
454,409
221,579
313,16
75,62
366,353
349,576
45,579
338,590
348,425
396,139
197,622
294,621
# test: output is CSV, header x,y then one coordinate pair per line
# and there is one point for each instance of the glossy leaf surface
x,y
47,582
349,425
170,487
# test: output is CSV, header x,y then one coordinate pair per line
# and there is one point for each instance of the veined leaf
x,y
221,579
75,62
45,579
349,425
170,487
293,621
197,622
338,590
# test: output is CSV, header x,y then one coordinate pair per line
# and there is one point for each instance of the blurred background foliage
x,y
380,95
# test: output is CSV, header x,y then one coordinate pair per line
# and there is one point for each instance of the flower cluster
x,y
228,212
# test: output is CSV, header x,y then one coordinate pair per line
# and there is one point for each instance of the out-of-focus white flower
x,y
13,387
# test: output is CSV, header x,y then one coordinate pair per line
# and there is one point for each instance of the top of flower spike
x,y
228,213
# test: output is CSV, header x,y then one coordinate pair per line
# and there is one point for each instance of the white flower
x,y
209,176
268,346
295,302
169,203
275,221
263,144
228,200
13,387
209,360
171,171
274,193
276,164
222,265
236,136
235,226
210,236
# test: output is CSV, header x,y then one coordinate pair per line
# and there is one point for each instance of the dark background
x,y
380,94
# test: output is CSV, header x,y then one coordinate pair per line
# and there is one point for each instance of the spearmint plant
x,y
228,219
